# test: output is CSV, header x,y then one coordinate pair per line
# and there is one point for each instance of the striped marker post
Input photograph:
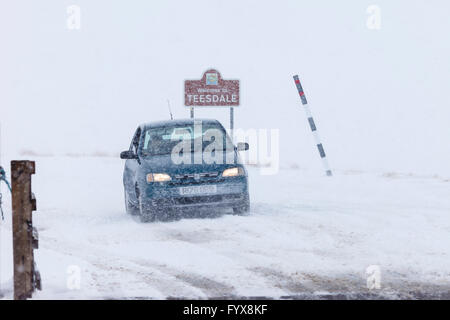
x,y
313,126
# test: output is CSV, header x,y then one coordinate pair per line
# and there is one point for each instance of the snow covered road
x,y
306,234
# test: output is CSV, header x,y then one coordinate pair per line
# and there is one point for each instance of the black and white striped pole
x,y
313,126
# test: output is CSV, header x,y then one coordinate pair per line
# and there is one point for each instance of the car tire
x,y
145,217
146,214
130,208
242,210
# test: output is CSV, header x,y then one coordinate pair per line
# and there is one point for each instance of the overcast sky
x,y
379,97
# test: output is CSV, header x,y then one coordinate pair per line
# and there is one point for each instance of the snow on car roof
x,y
178,122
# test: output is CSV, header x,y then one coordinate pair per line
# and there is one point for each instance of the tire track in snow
x,y
238,259
168,281
209,287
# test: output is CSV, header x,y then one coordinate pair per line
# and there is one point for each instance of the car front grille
x,y
197,175
196,178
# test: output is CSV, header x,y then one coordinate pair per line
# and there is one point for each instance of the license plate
x,y
195,190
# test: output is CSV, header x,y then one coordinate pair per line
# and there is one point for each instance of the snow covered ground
x,y
306,234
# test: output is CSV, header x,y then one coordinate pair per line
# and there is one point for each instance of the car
x,y
183,164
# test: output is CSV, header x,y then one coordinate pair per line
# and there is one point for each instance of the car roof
x,y
177,122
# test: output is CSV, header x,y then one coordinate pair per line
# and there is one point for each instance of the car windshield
x,y
192,137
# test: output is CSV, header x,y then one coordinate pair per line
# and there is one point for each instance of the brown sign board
x,y
211,90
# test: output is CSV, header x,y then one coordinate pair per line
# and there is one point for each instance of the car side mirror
x,y
242,146
128,155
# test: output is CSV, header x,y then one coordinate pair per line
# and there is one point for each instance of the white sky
x,y
379,98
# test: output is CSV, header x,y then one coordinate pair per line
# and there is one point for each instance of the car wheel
x,y
129,207
146,218
146,214
242,210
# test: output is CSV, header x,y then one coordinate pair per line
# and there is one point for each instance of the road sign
x,y
211,91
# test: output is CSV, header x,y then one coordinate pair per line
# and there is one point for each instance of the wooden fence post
x,y
25,237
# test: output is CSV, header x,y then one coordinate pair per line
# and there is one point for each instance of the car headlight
x,y
158,177
233,172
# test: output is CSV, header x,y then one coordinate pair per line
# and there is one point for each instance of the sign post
x,y
313,127
25,237
231,121
212,91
